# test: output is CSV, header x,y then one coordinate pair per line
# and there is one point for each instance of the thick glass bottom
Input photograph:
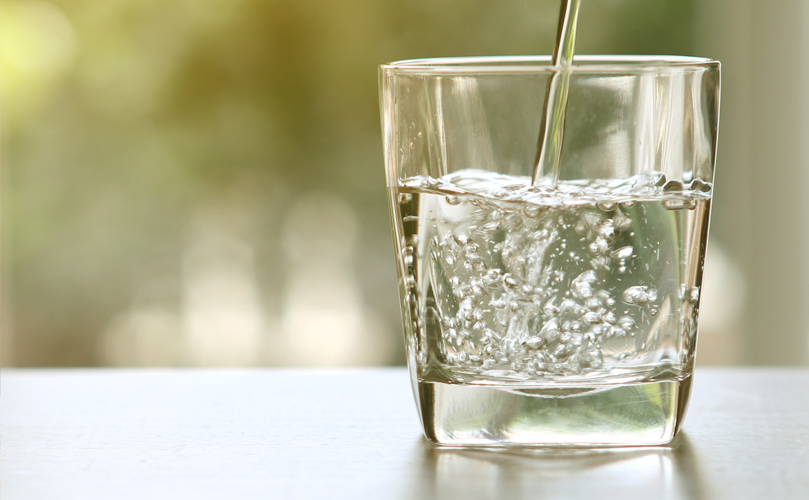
x,y
640,414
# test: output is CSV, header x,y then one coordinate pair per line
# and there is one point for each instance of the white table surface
x,y
354,434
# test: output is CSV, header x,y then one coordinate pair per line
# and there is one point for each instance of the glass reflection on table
x,y
668,472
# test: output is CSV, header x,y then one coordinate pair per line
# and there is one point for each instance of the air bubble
x,y
532,211
598,246
550,331
576,203
639,295
607,231
453,200
561,351
496,214
512,222
701,186
568,306
582,285
673,185
489,281
408,257
591,318
623,253
679,204
623,222
471,249
607,206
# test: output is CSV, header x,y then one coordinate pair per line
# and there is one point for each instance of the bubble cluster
x,y
529,282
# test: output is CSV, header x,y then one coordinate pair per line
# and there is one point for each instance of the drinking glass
x,y
550,304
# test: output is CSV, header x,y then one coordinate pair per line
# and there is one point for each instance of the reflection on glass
x,y
661,472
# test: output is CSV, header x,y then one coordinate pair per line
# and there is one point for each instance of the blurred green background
x,y
201,183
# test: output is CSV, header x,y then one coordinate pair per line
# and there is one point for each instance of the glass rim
x,y
618,64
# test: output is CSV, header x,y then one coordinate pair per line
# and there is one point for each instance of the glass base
x,y
641,414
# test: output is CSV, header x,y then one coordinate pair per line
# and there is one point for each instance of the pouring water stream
x,y
552,128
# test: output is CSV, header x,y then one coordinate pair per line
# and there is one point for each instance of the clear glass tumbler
x,y
555,307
